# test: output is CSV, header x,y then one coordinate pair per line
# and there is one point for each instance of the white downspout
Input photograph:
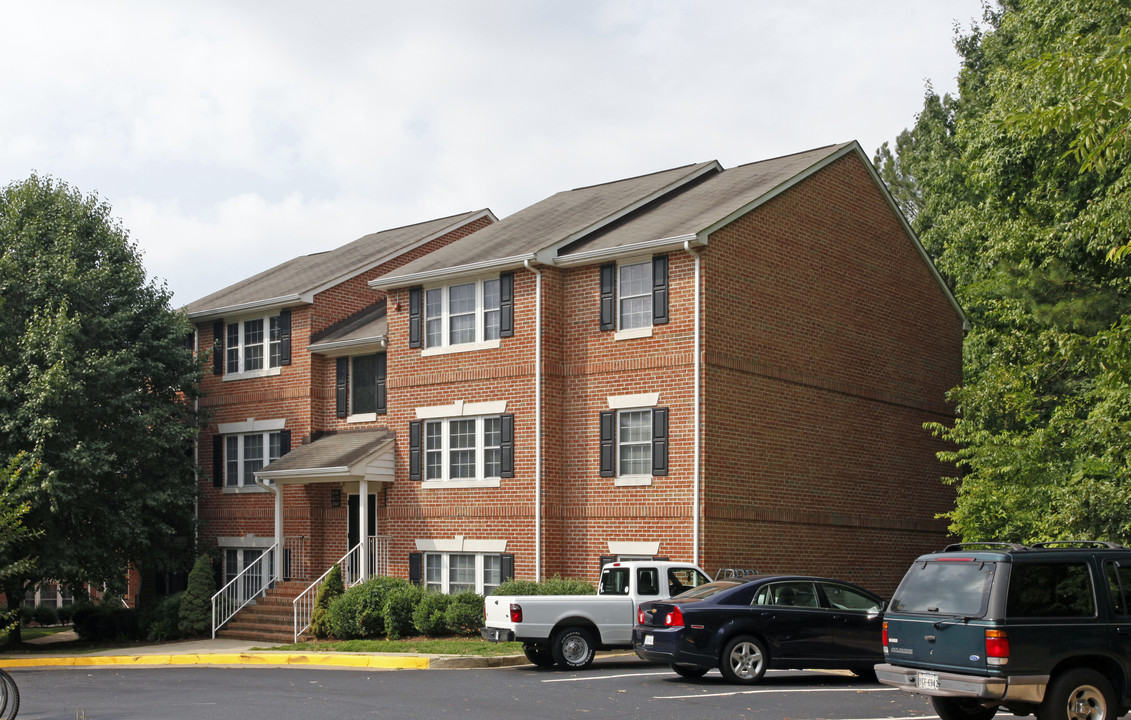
x,y
363,524
537,420
695,500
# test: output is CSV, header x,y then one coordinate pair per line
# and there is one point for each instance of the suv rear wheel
x,y
1080,694
949,708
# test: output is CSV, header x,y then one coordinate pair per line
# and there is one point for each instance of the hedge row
x,y
393,608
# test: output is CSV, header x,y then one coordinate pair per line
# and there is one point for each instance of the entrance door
x,y
353,535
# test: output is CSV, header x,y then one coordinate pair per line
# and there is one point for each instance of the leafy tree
x,y
1020,211
96,386
195,613
14,479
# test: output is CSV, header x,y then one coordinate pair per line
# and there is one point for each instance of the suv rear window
x,y
1050,590
958,587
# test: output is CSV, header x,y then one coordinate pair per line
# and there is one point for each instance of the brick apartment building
x,y
731,367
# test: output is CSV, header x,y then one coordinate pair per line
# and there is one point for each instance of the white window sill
x,y
362,417
266,372
461,484
463,347
641,332
241,490
632,480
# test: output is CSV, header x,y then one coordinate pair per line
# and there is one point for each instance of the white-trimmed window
x,y
634,296
634,439
257,577
463,448
254,345
452,573
462,316
245,454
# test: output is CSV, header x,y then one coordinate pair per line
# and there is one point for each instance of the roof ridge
x,y
643,175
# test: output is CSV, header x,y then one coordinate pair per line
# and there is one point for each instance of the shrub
x,y
66,614
428,617
556,585
196,604
400,602
330,590
25,614
359,612
464,615
162,622
106,622
45,615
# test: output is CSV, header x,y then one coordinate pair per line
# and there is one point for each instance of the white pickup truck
x,y
568,629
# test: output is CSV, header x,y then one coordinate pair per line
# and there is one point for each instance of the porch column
x,y
363,524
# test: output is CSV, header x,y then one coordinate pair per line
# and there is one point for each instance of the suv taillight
x,y
997,647
884,637
516,613
674,618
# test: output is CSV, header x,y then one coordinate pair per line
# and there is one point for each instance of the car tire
x,y
1078,694
744,660
691,672
540,655
865,672
573,648
948,708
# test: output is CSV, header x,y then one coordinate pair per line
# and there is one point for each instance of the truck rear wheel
x,y
540,655
573,648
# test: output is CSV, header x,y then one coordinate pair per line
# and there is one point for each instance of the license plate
x,y
648,640
927,681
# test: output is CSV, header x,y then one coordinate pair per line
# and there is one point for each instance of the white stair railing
x,y
252,582
377,559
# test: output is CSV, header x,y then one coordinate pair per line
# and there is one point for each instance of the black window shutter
x,y
415,317
285,337
506,304
415,568
218,347
217,460
659,289
284,442
190,340
415,450
609,297
342,387
660,441
506,445
382,371
605,560
506,567
608,443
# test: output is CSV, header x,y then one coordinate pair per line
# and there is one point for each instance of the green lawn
x,y
434,646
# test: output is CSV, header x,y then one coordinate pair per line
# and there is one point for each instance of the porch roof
x,y
336,457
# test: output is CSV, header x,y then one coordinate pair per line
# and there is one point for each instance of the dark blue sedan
x,y
746,625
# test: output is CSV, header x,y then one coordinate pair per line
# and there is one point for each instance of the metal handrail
x,y
229,600
304,601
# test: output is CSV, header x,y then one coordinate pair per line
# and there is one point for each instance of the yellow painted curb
x,y
385,662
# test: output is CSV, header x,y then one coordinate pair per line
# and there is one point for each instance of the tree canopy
x,y
97,388
1017,187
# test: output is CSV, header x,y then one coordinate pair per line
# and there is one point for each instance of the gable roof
x,y
297,281
336,457
550,223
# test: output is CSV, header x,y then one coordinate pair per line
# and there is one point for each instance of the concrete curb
x,y
269,659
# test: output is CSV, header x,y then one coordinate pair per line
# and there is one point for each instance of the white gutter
x,y
659,245
386,282
695,493
267,304
537,421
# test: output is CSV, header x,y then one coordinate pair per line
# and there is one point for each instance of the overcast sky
x,y
232,135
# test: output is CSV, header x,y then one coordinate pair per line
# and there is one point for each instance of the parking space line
x,y
773,691
583,678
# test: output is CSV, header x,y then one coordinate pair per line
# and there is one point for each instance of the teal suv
x,y
1042,629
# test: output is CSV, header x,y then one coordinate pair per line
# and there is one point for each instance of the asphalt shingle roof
x,y
332,451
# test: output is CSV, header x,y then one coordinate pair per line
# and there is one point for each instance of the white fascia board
x,y
451,273
354,272
284,475
667,244
546,254
277,303
348,347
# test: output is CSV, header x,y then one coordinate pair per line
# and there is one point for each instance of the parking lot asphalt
x,y
229,652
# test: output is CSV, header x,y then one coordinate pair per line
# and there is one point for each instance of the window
x,y
360,387
1119,586
462,445
462,315
634,296
634,444
258,576
246,454
451,573
1050,590
253,347
463,448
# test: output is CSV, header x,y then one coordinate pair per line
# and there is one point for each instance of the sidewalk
x,y
225,652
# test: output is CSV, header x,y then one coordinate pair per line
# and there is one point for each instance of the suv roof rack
x,y
987,545
734,573
1079,544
